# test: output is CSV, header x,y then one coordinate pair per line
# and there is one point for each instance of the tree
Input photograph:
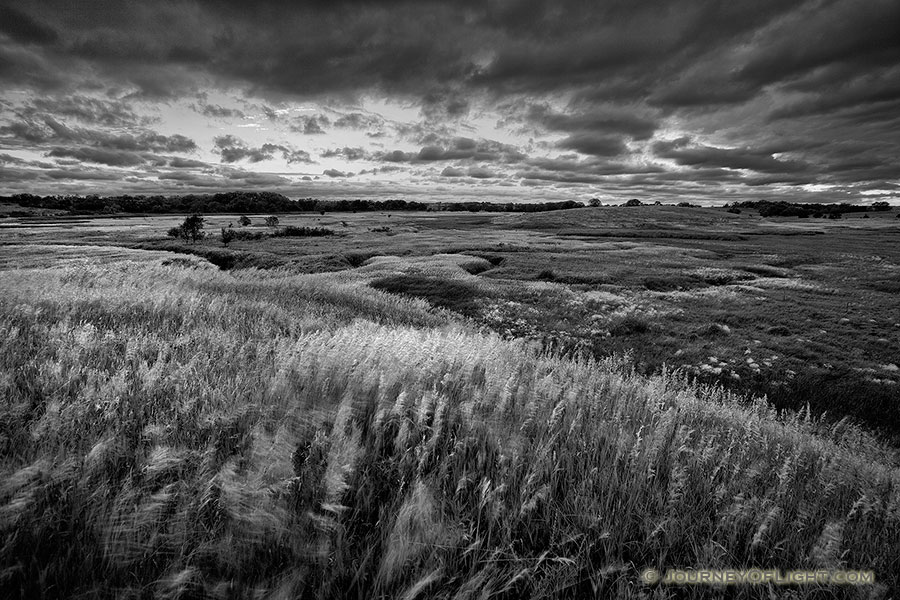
x,y
244,221
192,228
595,202
271,221
634,202
227,236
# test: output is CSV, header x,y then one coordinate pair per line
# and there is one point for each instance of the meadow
x,y
446,406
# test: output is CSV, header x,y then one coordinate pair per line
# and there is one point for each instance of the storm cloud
x,y
676,96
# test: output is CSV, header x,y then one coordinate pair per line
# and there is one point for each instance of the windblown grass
x,y
176,432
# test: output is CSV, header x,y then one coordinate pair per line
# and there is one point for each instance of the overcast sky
x,y
670,100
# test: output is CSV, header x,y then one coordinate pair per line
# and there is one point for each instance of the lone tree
x,y
271,221
227,236
192,228
244,221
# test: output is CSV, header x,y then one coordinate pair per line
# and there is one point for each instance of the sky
x,y
705,101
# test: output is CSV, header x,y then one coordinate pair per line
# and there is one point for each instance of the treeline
x,y
256,202
768,208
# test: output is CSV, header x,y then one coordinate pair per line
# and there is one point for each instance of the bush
x,y
291,231
271,221
244,221
245,236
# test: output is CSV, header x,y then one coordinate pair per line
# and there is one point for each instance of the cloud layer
x,y
708,100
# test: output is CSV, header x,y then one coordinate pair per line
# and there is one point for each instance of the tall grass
x,y
176,432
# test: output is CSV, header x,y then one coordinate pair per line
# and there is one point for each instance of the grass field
x,y
439,405
803,311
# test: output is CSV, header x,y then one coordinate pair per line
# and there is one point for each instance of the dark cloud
x,y
685,153
480,173
187,163
396,156
219,112
600,120
115,158
233,149
594,144
49,130
334,173
311,125
95,111
610,83
346,153
459,148
358,120
24,28
819,34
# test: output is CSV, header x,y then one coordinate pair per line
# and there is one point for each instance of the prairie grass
x,y
179,432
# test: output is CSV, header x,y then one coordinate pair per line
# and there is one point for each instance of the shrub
x,y
272,221
244,221
247,235
227,236
291,231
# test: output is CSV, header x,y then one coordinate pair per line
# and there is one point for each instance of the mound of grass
x,y
889,286
671,283
840,391
180,262
356,259
780,330
494,259
445,293
766,270
629,325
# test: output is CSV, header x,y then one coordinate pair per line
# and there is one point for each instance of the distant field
x,y
802,310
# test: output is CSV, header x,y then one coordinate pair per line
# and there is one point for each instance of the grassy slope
x,y
181,432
